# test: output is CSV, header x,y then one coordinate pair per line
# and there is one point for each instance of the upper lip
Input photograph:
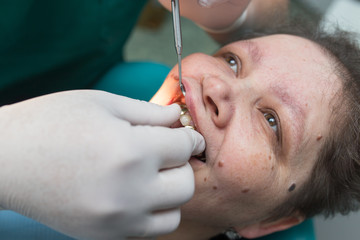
x,y
190,103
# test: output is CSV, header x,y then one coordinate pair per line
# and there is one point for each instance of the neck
x,y
191,231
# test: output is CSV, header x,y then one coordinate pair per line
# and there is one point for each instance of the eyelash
x,y
273,121
233,62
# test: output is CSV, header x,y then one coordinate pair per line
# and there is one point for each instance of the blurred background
x,y
152,40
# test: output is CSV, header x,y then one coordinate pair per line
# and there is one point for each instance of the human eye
x,y
274,123
233,62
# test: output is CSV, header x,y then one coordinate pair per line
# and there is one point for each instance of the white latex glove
x,y
212,15
94,165
210,3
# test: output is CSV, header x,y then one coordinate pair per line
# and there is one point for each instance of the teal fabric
x,y
139,80
14,226
304,231
48,46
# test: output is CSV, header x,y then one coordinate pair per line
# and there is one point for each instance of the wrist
x,y
235,25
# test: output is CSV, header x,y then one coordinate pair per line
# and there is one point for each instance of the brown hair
x,y
334,184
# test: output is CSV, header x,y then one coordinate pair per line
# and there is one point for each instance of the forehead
x,y
281,47
292,61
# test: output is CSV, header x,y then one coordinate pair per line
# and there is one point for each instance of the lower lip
x,y
196,163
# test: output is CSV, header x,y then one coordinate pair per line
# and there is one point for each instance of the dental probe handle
x,y
177,25
178,39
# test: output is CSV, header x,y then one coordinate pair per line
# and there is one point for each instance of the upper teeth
x,y
187,122
185,117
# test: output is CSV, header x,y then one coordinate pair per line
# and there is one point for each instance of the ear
x,y
264,228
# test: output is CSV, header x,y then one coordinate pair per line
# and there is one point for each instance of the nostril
x,y
213,106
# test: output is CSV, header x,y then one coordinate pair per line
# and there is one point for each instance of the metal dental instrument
x,y
178,41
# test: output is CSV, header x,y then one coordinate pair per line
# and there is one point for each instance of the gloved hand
x,y
210,3
214,16
95,165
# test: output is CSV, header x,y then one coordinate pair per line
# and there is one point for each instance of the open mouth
x,y
186,121
201,157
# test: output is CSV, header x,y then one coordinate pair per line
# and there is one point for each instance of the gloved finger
x,y
210,3
172,147
162,222
176,187
144,113
186,143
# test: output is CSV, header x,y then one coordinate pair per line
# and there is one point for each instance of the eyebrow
x,y
253,50
297,112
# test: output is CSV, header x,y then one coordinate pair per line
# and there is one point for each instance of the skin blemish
x,y
221,164
319,138
269,157
292,187
175,77
205,179
214,187
246,190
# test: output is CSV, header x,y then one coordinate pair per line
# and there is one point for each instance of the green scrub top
x,y
54,45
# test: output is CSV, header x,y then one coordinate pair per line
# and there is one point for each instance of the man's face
x,y
263,107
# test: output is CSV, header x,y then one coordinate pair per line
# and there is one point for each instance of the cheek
x,y
250,174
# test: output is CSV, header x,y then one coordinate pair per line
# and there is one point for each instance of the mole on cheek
x,y
319,138
175,77
214,187
221,164
246,190
205,179
292,187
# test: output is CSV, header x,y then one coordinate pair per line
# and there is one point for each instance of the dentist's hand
x,y
211,14
226,20
95,165
211,3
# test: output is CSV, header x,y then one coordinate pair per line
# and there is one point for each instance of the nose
x,y
217,95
